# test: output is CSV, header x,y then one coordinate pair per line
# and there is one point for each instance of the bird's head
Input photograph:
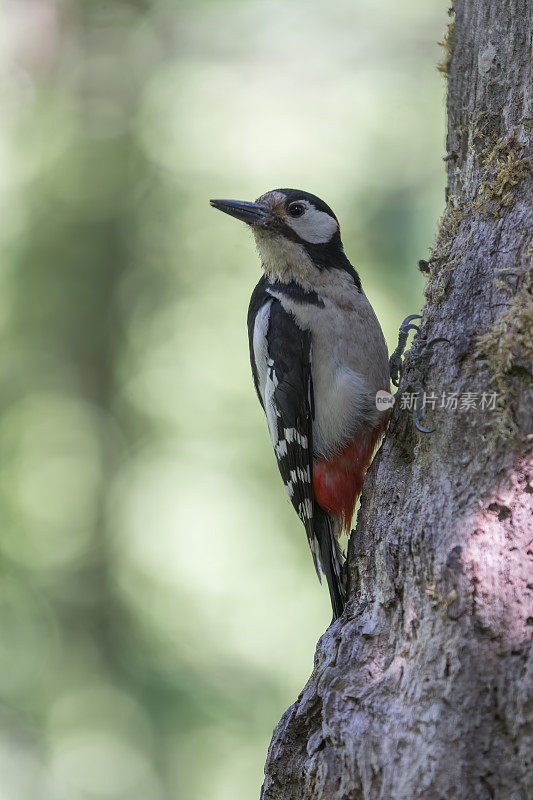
x,y
297,234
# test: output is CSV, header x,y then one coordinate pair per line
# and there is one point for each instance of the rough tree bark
x,y
423,688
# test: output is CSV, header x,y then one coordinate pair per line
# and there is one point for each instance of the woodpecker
x,y
318,358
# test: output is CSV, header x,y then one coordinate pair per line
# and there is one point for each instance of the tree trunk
x,y
423,688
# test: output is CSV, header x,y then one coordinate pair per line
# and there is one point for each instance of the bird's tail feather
x,y
330,557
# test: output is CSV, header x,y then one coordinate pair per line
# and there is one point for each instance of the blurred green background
x,y
158,604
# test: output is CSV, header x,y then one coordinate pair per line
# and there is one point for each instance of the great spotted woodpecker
x,y
318,358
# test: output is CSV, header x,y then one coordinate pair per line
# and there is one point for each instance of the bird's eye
x,y
296,209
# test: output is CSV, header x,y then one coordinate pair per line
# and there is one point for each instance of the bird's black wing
x,y
288,403
280,353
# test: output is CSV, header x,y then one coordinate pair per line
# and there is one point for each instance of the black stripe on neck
x,y
296,292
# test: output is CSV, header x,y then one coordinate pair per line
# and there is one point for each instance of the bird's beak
x,y
252,213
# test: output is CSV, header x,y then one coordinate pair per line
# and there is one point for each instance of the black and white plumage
x,y
280,355
318,357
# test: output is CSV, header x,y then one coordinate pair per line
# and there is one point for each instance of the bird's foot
x,y
415,393
415,389
395,361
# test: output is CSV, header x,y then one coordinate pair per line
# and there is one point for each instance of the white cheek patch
x,y
315,227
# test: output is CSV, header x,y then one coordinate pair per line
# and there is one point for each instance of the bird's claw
x,y
395,366
419,405
418,387
436,340
395,361
408,319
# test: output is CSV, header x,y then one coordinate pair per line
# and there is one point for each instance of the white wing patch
x,y
299,474
280,448
271,411
305,509
260,346
292,435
